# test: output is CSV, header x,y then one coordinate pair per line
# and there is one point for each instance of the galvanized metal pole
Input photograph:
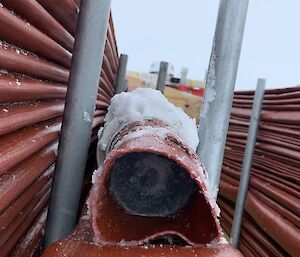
x,y
77,119
215,113
247,163
162,76
126,85
121,73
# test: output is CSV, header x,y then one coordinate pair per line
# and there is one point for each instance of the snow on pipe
x,y
151,178
149,196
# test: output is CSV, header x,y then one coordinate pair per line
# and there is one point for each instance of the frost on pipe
x,y
152,184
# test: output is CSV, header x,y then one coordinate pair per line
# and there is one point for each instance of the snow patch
x,y
55,128
2,71
86,117
96,175
146,103
95,180
18,83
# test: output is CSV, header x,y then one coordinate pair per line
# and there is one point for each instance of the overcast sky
x,y
181,32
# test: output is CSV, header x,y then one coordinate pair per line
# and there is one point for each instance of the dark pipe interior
x,y
150,185
168,240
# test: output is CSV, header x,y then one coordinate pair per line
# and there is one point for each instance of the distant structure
x,y
149,79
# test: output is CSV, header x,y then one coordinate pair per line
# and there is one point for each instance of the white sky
x,y
181,32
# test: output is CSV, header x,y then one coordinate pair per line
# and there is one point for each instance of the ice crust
x,y
146,103
210,91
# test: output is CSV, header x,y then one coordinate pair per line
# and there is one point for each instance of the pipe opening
x,y
172,240
150,185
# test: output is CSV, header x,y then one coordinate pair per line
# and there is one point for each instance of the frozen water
x,y
86,117
210,91
146,103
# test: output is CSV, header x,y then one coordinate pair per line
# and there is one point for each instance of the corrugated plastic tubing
x,y
271,225
36,44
